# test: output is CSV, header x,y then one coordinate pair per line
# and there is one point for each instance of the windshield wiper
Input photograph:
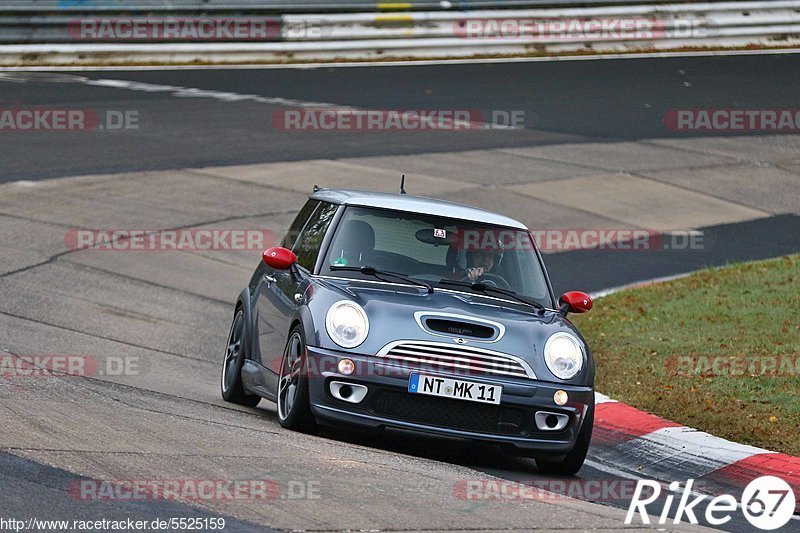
x,y
484,288
377,272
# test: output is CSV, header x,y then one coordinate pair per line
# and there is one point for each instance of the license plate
x,y
454,388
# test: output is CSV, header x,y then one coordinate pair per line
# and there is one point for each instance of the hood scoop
x,y
459,326
460,329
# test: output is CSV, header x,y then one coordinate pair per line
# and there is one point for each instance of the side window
x,y
309,243
299,221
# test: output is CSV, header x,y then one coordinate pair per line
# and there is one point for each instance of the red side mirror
x,y
279,258
575,302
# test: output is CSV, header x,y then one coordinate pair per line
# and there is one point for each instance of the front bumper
x,y
389,404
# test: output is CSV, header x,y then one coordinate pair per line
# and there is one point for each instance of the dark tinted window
x,y
308,244
299,221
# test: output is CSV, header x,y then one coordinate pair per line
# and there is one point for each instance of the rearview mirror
x,y
279,258
574,302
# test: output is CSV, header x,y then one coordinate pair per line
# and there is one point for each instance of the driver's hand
x,y
475,273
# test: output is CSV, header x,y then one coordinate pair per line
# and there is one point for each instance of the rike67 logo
x,y
767,503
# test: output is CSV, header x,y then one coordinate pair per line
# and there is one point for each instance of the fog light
x,y
346,366
560,397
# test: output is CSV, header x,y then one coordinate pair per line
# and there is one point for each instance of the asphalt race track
x,y
592,153
563,101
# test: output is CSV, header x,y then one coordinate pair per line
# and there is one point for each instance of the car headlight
x,y
564,356
347,324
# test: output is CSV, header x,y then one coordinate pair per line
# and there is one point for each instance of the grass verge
x,y
718,351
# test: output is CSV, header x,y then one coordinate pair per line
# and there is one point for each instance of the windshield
x,y
436,250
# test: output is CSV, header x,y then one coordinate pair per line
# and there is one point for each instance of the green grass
x,y
654,347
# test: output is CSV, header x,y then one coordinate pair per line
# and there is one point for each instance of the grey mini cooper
x,y
395,311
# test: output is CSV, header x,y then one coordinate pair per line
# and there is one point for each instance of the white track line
x,y
602,398
645,283
178,91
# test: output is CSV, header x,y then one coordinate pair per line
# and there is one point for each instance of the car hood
x,y
391,310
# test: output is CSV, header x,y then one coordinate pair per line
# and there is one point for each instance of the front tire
x,y
294,407
573,462
231,379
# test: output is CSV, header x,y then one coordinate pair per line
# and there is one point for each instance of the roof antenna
x,y
316,187
402,184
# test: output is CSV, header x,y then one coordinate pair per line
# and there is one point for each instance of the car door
x,y
266,319
280,290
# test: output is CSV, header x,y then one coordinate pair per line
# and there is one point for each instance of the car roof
x,y
414,204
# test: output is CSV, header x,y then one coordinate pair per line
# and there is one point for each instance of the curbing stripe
x,y
656,448
617,423
742,472
669,450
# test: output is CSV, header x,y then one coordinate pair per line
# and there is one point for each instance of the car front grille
x,y
454,414
454,358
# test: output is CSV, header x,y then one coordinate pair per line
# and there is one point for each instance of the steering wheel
x,y
492,280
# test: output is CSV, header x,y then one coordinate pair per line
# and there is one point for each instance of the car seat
x,y
355,241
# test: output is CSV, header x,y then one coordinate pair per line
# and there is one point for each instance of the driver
x,y
479,262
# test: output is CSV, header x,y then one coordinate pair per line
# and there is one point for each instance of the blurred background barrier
x,y
279,6
244,30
